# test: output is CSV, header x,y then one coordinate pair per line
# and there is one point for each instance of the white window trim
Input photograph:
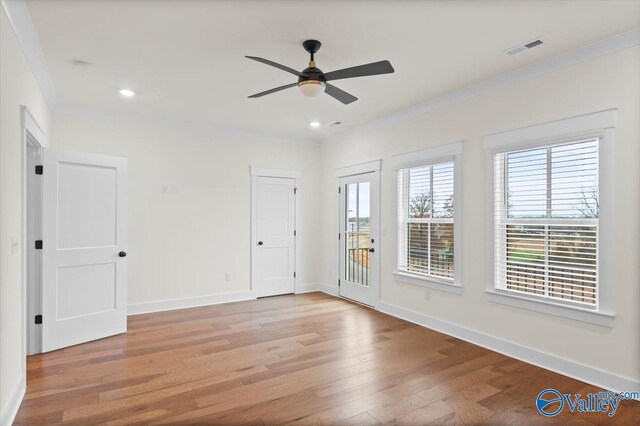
x,y
600,125
424,157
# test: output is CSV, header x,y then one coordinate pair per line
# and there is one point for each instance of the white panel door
x,y
274,240
359,237
84,265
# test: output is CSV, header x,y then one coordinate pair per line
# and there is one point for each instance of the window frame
x,y
599,125
426,157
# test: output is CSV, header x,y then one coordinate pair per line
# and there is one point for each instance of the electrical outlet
x,y
228,276
164,189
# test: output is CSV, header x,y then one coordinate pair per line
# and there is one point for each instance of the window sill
x,y
604,319
431,283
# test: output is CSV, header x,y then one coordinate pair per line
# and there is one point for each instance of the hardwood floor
x,y
306,359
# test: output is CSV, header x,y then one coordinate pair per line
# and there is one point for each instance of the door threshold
x,y
356,302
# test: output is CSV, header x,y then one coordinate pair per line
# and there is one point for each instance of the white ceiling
x,y
185,59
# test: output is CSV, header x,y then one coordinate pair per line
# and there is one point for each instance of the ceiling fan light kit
x,y
312,81
311,88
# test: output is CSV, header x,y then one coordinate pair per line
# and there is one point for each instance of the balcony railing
x,y
358,265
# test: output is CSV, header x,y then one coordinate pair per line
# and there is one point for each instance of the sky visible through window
x,y
358,205
572,181
420,196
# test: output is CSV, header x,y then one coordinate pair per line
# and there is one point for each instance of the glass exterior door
x,y
358,234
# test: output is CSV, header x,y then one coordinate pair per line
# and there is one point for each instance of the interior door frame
x,y
32,134
257,172
344,172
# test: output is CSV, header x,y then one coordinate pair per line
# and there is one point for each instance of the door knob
x,y
260,243
122,254
371,250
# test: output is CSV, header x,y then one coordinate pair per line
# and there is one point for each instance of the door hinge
x,y
338,283
38,319
338,235
294,275
295,233
295,191
339,190
38,244
39,170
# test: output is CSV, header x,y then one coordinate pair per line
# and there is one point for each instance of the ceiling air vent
x,y
525,46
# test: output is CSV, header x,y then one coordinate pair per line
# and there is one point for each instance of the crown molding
x,y
27,36
563,60
147,120
23,27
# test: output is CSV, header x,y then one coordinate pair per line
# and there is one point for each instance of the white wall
x,y
611,81
182,245
18,87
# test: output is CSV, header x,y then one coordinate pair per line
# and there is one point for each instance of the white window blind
x,y
546,222
425,220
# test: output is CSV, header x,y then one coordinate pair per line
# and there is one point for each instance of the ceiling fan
x,y
312,81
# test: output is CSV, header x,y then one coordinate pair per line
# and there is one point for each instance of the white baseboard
x,y
325,288
215,299
189,302
599,378
8,414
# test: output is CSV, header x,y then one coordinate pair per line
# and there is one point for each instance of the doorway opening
x,y
32,233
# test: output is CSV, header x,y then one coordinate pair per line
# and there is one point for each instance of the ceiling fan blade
x,y
274,64
277,89
339,94
374,68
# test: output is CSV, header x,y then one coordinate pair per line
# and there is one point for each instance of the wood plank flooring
x,y
303,359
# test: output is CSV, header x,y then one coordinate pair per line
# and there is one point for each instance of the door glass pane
x,y
363,207
352,207
358,233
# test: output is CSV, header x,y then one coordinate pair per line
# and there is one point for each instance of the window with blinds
x,y
546,222
425,220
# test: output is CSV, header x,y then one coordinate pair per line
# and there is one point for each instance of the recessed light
x,y
127,93
314,124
